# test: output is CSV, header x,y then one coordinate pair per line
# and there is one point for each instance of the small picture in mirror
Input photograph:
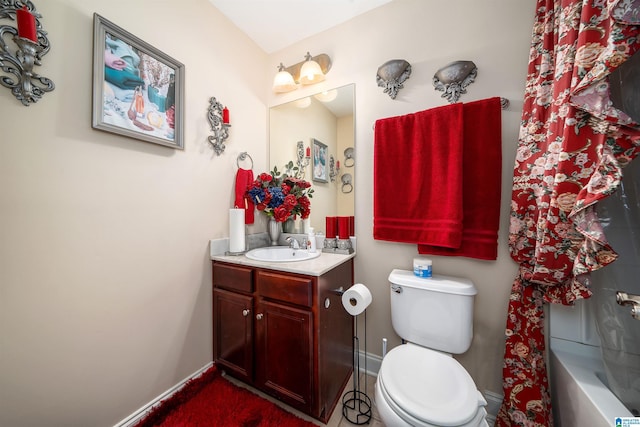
x,y
320,157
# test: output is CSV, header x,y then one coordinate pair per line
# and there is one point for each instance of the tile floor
x,y
337,419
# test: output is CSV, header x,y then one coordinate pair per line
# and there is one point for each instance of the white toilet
x,y
420,383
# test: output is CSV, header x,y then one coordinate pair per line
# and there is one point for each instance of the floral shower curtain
x,y
573,145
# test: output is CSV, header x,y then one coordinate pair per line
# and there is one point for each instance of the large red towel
x,y
244,178
418,177
482,178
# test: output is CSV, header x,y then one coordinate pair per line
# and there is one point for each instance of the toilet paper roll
x,y
236,230
356,299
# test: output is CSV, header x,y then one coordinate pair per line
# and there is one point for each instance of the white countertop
x,y
313,267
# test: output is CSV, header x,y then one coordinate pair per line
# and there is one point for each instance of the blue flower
x,y
277,197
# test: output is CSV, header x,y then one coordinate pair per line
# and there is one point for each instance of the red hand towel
x,y
418,177
244,178
482,178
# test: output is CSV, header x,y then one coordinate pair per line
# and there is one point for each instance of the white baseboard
x,y
370,364
140,413
494,401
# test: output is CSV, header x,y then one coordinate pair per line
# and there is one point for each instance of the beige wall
x,y
495,35
105,297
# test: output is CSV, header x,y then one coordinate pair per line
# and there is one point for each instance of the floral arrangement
x,y
281,196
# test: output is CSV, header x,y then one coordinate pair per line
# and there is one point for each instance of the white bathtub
x,y
579,394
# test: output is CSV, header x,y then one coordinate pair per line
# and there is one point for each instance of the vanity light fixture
x,y
303,102
310,71
327,95
283,81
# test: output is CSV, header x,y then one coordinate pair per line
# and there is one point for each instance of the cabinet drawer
x,y
292,289
233,277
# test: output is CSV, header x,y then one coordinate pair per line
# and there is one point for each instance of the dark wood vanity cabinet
x,y
285,334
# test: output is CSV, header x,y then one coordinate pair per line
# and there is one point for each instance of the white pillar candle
x,y
236,230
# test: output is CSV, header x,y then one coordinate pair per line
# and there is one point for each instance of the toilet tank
x,y
434,312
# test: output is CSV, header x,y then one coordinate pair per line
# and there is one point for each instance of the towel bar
x,y
504,104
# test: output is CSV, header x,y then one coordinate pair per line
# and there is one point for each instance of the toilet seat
x,y
428,388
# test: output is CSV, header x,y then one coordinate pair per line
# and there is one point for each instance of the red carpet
x,y
212,401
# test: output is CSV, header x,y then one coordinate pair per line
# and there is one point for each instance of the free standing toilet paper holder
x,y
356,405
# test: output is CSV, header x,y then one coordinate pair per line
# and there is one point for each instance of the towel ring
x,y
242,157
347,186
349,160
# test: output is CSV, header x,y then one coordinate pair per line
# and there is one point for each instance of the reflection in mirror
x,y
327,118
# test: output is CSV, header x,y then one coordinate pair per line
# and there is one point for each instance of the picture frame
x,y
320,161
138,91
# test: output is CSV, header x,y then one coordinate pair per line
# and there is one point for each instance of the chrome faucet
x,y
293,242
623,298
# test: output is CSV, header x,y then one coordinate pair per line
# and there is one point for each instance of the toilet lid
x,y
429,386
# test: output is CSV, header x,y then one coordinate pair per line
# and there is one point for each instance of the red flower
x,y
281,213
281,197
290,202
265,177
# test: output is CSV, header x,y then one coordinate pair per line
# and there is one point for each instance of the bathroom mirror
x,y
327,118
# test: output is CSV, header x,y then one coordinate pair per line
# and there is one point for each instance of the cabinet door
x,y
284,353
233,332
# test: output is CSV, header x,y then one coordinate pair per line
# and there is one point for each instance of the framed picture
x,y
320,160
138,91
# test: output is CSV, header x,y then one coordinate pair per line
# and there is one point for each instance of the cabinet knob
x,y
259,316
245,312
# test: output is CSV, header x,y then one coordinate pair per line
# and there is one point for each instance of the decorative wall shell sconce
x,y
453,79
392,74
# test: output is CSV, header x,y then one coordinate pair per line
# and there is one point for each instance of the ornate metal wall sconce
x,y
303,159
219,121
453,79
391,76
334,168
26,85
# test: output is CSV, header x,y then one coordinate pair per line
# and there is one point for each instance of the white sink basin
x,y
281,254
